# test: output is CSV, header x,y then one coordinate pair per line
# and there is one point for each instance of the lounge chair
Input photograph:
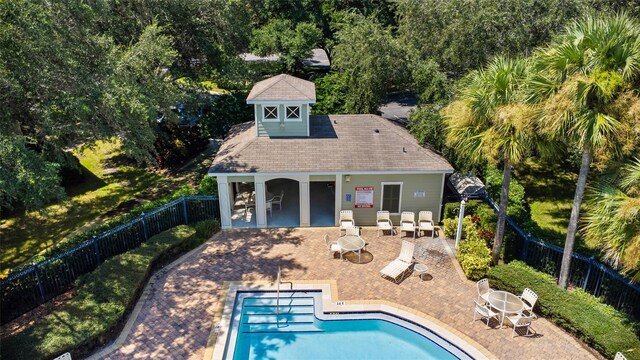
x,y
529,299
484,311
484,290
333,247
408,223
383,222
519,321
398,267
65,356
620,356
346,220
425,223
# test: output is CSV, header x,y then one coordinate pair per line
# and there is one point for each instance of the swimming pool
x,y
298,329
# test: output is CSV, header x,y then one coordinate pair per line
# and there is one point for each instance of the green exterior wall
x,y
291,128
322,178
431,184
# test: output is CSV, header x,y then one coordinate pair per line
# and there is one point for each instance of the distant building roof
x,y
283,87
318,59
337,143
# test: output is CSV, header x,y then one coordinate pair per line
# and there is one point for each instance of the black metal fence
x,y
585,272
38,283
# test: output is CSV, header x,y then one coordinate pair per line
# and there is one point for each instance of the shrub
x,y
488,217
474,256
450,226
208,186
597,324
207,228
102,299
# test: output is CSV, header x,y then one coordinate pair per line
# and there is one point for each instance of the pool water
x,y
295,332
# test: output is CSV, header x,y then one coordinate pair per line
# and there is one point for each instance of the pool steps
x,y
259,315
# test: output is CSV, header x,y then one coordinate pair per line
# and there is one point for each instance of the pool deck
x,y
176,313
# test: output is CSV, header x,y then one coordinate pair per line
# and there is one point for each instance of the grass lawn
x,y
549,189
112,187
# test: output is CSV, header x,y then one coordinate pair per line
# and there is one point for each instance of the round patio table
x,y
351,243
506,303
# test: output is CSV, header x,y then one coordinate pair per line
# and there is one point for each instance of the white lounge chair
x,y
333,247
65,356
346,220
408,223
425,223
529,299
383,222
484,290
620,356
519,321
398,267
484,311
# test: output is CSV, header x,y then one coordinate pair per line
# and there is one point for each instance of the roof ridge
x,y
286,77
277,79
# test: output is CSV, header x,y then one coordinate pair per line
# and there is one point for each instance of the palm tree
x,y
612,218
582,74
489,122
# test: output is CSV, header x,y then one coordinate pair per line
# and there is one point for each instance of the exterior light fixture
x,y
347,178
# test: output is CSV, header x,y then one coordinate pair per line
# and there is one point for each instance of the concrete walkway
x,y
176,315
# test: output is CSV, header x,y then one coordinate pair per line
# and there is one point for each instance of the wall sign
x,y
347,197
364,197
419,194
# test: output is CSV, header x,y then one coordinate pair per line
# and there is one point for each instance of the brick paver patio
x,y
176,318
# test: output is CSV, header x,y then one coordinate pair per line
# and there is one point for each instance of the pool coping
x,y
218,335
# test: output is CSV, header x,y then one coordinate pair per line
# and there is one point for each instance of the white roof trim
x,y
284,102
403,172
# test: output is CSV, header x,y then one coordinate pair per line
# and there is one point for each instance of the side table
x,y
420,269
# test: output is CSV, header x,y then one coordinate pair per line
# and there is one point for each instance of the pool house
x,y
288,168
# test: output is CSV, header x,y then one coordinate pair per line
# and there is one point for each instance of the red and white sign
x,y
364,197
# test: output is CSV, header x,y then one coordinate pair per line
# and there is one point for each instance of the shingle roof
x,y
337,143
283,87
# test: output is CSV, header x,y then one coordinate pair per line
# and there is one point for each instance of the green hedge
x,y
102,299
597,324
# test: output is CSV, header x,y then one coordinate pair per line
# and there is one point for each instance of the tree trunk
x,y
502,213
563,281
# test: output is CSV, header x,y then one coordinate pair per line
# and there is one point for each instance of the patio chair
x,y
353,230
408,223
620,356
346,220
485,312
333,247
425,223
277,200
398,267
383,222
529,299
519,321
484,290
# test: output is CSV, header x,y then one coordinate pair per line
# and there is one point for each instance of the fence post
x,y
525,248
184,208
586,277
97,249
145,231
40,286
